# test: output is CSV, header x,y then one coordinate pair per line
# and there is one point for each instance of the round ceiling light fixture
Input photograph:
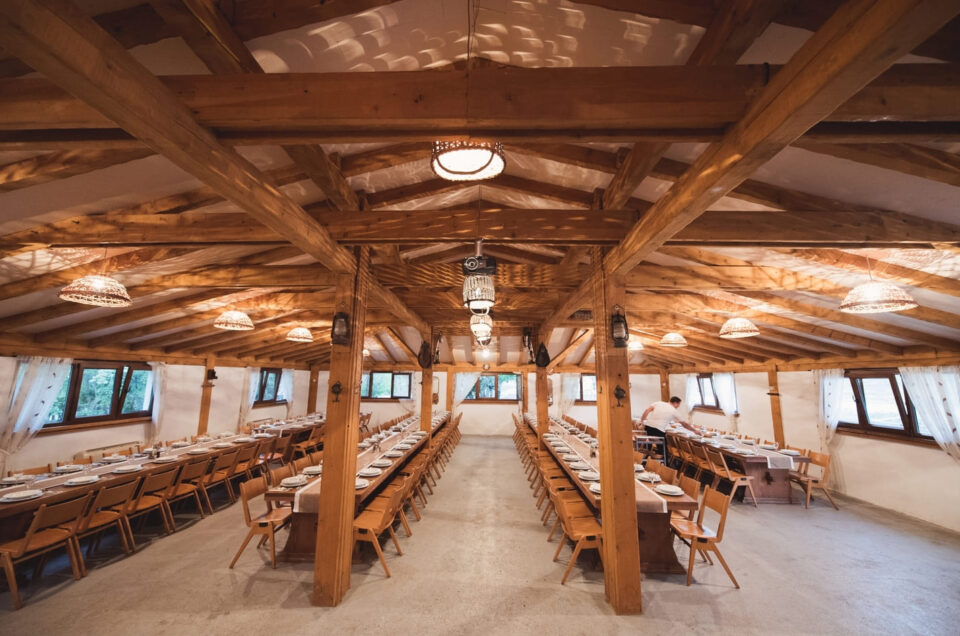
x,y
673,339
481,326
100,291
739,328
467,160
876,297
300,334
233,320
479,294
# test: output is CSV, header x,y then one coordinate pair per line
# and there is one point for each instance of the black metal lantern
x,y
527,342
543,357
618,328
336,389
340,334
619,393
424,356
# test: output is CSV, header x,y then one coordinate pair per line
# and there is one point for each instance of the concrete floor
x,y
479,563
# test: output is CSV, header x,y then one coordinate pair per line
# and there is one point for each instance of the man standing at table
x,y
660,415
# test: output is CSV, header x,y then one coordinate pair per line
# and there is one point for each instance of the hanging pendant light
x,y
479,294
233,320
673,339
738,328
467,160
300,334
876,297
100,291
635,344
481,326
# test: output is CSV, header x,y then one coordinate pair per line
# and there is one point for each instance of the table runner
x,y
775,460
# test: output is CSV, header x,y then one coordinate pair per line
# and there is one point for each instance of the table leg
x,y
656,544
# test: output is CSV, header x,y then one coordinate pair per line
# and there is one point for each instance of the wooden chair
x,y
316,457
404,484
301,463
722,471
186,485
53,526
78,460
281,450
108,509
276,475
315,438
152,496
266,524
36,470
584,531
808,482
691,488
702,539
370,524
219,473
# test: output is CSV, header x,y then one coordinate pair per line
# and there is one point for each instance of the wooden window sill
x,y
72,428
490,401
708,409
888,437
383,399
261,405
585,403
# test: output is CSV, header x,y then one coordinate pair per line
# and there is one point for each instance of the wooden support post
x,y
312,389
664,385
618,508
523,392
331,570
451,384
775,411
543,409
426,394
206,393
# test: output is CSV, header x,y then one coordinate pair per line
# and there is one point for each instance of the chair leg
x,y
573,559
7,562
827,493
752,495
552,530
403,520
71,553
563,535
243,546
693,557
413,504
725,567
79,552
396,542
129,530
273,548
123,536
809,493
383,560
196,496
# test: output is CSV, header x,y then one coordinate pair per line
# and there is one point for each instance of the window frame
x,y
265,372
706,408
365,395
121,387
497,399
908,415
580,400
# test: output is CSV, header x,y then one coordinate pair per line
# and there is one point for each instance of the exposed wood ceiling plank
x,y
60,165
917,161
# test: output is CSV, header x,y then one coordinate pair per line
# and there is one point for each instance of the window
x,y
98,391
706,396
492,387
587,391
875,403
269,391
385,385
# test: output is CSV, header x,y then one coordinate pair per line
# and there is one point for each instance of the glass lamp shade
x,y
738,328
101,291
876,297
479,295
233,321
484,341
366,353
300,334
673,339
467,160
481,325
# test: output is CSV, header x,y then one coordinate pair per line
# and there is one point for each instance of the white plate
x,y
164,460
589,475
790,452
648,477
82,481
745,451
382,463
222,445
204,439
581,465
570,457
729,437
242,440
364,444
769,447
180,444
403,447
748,442
593,443
293,482
638,468
669,489
14,480
22,495
562,449
728,446
360,484
369,472
262,436
120,470
313,470
114,459
410,440
393,453
197,451
595,488
68,468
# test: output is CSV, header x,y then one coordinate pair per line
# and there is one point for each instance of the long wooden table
x,y
653,526
301,544
771,485
15,517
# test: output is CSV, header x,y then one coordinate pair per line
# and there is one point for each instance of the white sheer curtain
x,y
251,385
569,391
692,396
726,388
37,382
935,393
463,384
285,389
830,400
159,377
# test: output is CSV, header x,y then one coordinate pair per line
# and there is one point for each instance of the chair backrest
x,y
718,463
300,464
109,496
719,503
247,452
193,470
48,515
283,443
77,460
251,489
36,470
278,474
158,481
690,486
227,460
823,461
316,457
179,439
668,475
653,466
267,447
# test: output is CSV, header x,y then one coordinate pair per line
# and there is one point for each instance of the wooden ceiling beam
x,y
60,165
911,159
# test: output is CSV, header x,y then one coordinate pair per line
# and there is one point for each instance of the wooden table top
x,y
759,458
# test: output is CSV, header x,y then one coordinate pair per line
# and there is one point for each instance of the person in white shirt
x,y
660,415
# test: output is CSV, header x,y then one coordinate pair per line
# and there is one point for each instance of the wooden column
x,y
426,394
206,393
664,385
451,385
524,386
312,389
543,409
618,508
331,570
775,411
